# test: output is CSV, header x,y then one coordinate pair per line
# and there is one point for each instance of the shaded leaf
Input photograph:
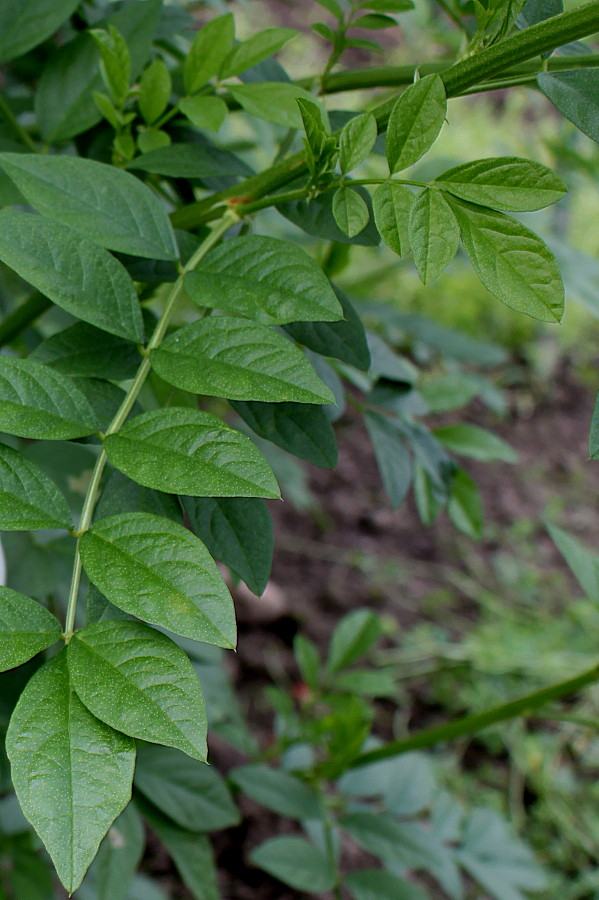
x,y
576,96
344,340
392,457
28,498
277,790
26,628
190,161
26,24
295,862
302,430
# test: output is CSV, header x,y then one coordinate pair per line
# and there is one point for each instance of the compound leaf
x,y
158,571
139,682
72,773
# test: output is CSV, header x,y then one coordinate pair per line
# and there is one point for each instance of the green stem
x,y
131,396
471,724
526,45
16,126
22,317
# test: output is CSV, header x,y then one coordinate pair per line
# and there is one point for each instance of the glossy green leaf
x,y
191,793
274,101
190,161
392,205
238,532
296,862
26,24
350,211
85,351
277,790
210,47
583,562
158,571
504,182
222,356
249,53
111,207
465,506
265,279
376,884
474,442
434,234
64,104
344,340
356,141
353,637
132,677
155,87
72,271
511,261
71,772
302,430
392,457
204,112
415,122
576,96
37,402
181,451
28,498
191,853
119,856
26,628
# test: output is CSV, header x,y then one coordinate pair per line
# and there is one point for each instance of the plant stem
x,y
526,45
16,126
228,219
473,723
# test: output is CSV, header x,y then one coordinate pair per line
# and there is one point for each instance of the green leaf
x,y
576,96
72,271
392,206
158,571
333,7
26,24
538,10
152,139
392,457
28,498
37,402
375,884
134,678
189,792
504,182
475,442
64,99
84,351
511,261
120,495
72,774
300,429
317,130
115,62
296,862
26,628
392,6
344,340
277,790
249,53
154,91
350,211
427,494
265,279
434,234
119,855
415,122
356,141
181,451
583,561
274,101
100,202
26,876
222,356
352,638
501,864
237,531
204,112
190,851
190,161
315,217
465,506
210,47
374,22
594,433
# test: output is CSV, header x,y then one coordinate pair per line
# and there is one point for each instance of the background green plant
x,y
131,334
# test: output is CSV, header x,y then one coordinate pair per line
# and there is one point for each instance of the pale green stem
x,y
229,218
